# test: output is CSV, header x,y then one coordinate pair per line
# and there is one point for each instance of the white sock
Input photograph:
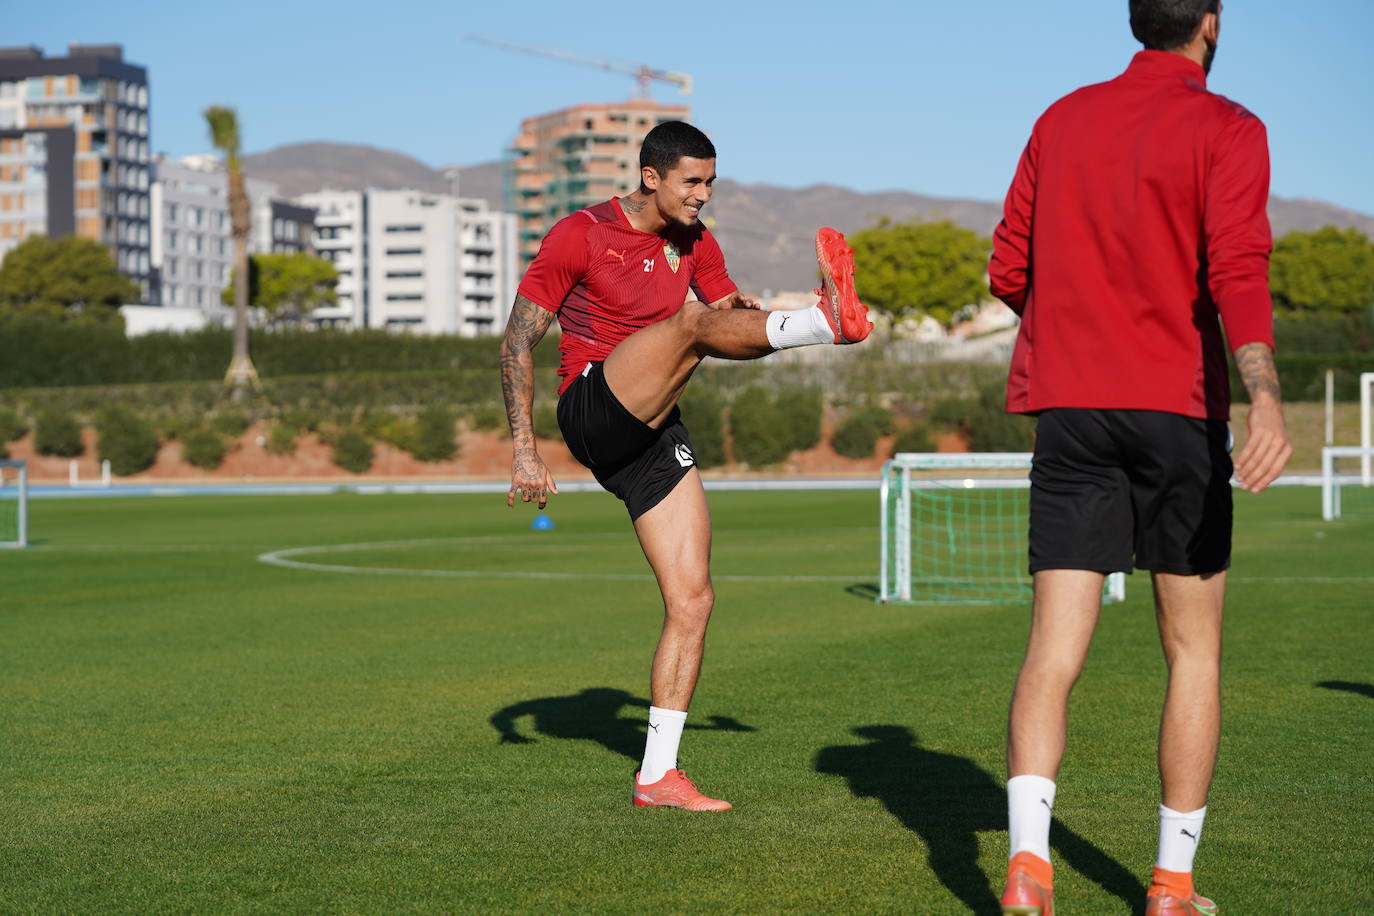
x,y
1179,833
660,748
798,328
1030,805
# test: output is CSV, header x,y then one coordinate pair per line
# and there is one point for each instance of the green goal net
x,y
954,529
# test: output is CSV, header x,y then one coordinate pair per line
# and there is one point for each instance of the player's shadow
x,y
1366,690
946,800
593,715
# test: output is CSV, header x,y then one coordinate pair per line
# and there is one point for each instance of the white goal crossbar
x,y
954,529
1333,481
14,484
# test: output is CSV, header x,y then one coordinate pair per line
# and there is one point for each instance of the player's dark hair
x,y
1164,25
673,140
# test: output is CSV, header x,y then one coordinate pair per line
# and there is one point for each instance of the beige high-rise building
x,y
570,159
74,155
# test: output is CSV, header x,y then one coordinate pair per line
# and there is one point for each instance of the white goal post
x,y
1366,426
14,488
954,527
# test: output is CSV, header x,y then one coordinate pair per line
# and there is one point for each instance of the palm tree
x,y
224,134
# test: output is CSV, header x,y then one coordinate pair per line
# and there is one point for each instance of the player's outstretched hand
x,y
530,479
1267,448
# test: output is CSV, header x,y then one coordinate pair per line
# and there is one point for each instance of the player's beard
x,y
1207,57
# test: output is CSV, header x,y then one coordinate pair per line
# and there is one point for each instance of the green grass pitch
x,y
188,729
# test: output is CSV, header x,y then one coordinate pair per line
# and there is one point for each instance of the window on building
x,y
193,216
404,251
172,238
195,243
173,294
198,270
169,266
394,229
221,221
219,246
404,297
404,275
171,212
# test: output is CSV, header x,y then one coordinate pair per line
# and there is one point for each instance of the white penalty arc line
x,y
283,558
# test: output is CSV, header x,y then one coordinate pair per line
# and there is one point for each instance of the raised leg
x,y
676,538
648,370
1064,616
1189,612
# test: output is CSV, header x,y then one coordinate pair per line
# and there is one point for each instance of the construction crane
x,y
643,73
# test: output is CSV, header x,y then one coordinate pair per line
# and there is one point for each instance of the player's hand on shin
x,y
1267,448
530,479
736,300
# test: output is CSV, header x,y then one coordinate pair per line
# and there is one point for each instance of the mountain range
x,y
766,230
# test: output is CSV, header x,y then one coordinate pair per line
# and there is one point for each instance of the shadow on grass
x,y
1366,690
946,800
865,590
593,715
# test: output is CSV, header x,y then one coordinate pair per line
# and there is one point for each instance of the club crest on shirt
x,y
671,255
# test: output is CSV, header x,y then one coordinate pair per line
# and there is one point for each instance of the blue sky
x,y
932,97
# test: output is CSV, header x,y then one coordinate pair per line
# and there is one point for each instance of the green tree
x,y
1327,270
69,279
920,268
288,286
224,134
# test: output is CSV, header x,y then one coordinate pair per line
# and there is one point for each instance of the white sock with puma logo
x,y
798,328
1179,833
660,746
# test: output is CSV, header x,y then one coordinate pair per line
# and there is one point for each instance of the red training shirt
x,y
1136,216
606,279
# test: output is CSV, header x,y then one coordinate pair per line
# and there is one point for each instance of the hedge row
x,y
36,352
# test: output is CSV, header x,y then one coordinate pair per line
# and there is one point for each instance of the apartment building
x,y
414,260
192,249
74,152
570,159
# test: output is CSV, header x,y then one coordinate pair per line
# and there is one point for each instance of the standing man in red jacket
x,y
1136,219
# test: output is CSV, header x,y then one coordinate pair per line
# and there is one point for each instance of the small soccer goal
x,y
1347,491
14,504
954,529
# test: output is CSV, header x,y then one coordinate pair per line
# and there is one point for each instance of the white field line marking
x,y
283,558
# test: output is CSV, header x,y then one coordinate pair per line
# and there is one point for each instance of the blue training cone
x,y
542,523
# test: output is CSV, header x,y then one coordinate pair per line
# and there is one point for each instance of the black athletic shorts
x,y
633,460
1107,485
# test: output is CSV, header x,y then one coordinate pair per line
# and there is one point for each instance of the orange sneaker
x,y
1030,890
1169,905
848,317
675,790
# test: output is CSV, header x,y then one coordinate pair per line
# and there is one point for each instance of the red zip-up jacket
x,y
1136,217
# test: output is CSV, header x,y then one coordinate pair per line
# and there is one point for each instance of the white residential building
x,y
192,240
414,260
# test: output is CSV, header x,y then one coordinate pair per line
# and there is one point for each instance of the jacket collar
x,y
1157,64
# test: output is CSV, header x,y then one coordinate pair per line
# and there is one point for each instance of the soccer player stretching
x,y
1136,218
641,293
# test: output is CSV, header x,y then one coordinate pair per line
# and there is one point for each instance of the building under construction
x,y
570,159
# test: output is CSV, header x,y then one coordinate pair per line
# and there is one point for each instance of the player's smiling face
x,y
682,193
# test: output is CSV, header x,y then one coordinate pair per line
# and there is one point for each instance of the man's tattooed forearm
x,y
1255,362
527,326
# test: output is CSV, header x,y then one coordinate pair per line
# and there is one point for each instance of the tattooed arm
x,y
1267,448
527,326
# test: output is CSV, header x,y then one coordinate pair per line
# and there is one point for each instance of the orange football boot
x,y
1171,894
847,316
1030,886
675,790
